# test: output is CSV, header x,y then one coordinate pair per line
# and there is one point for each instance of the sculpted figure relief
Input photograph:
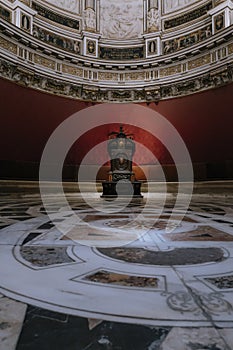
x,y
70,5
121,20
89,19
170,5
153,20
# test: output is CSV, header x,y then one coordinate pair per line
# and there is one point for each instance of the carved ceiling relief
x,y
153,19
122,19
89,15
69,5
104,22
89,19
217,2
172,5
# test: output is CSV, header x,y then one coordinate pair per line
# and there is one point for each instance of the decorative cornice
x,y
43,51
27,78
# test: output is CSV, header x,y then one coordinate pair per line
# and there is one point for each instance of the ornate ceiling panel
x,y
65,5
174,5
122,19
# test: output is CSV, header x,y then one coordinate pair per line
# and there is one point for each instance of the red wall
x,y
28,117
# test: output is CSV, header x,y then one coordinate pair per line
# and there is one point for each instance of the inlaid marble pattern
x,y
202,233
223,282
83,278
74,333
122,280
177,256
45,256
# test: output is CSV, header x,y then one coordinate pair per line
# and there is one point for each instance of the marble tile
x,y
202,233
216,306
45,256
50,330
203,271
221,282
11,320
93,217
193,339
176,256
93,322
103,280
227,335
123,280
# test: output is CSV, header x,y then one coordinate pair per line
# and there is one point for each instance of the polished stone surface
x,y
11,321
109,275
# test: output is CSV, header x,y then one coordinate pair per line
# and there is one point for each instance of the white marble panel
x,y
69,5
227,335
173,5
122,19
191,338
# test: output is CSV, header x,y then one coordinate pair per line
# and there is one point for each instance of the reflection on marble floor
x,y
83,278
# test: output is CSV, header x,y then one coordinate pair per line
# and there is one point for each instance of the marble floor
x,y
115,274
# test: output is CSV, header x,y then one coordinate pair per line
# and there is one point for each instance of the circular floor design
x,y
41,266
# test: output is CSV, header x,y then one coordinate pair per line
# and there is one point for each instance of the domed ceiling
x,y
117,51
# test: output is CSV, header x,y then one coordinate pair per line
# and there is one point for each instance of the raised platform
x,y
113,189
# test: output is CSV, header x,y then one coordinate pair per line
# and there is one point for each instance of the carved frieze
x,y
52,16
43,61
164,72
185,41
72,70
152,94
143,69
56,40
108,76
27,77
8,45
200,61
121,95
5,14
135,76
188,16
230,48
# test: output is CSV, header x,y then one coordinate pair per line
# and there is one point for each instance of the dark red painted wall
x,y
205,122
28,117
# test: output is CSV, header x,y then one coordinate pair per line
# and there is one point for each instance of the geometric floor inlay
x,y
123,280
72,333
204,233
221,282
176,256
45,256
119,281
